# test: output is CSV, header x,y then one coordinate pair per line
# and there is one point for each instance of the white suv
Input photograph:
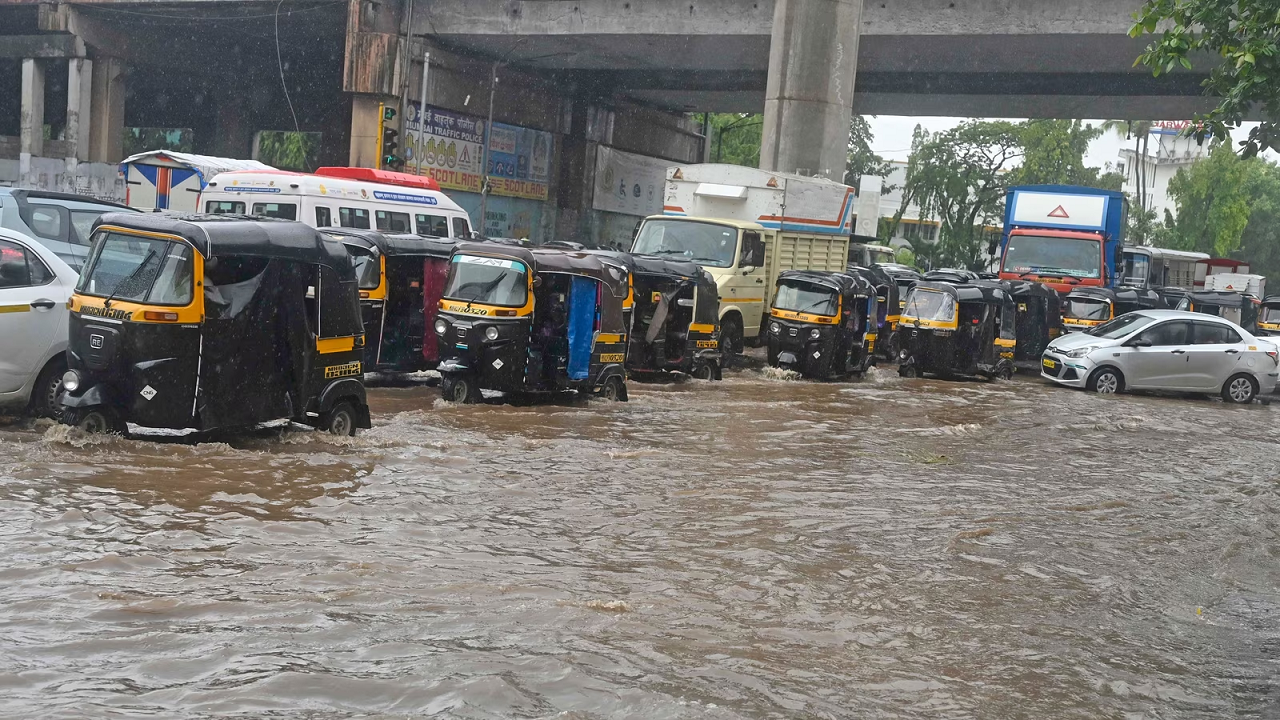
x,y
35,285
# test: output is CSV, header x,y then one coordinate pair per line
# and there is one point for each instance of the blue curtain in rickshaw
x,y
582,326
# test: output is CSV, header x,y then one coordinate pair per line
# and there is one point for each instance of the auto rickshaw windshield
x,y
930,305
1088,309
1270,314
806,298
486,280
368,270
138,269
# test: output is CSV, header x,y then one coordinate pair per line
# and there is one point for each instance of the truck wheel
x,y
341,420
731,338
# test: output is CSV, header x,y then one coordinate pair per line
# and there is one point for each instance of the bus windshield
x,y
1041,255
486,280
699,242
138,269
930,305
806,298
1088,309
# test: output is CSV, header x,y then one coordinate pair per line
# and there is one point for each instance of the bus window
x,y
461,229
433,225
353,218
284,211
224,207
323,218
392,221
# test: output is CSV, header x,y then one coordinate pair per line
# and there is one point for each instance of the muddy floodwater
x,y
755,548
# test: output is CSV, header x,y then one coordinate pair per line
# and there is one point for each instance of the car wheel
x,y
1240,389
44,396
341,420
1106,381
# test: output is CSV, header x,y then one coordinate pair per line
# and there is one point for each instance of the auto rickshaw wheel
x,y
614,389
98,421
459,389
1005,373
341,420
908,370
704,372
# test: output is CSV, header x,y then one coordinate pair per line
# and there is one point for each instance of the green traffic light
x,y
388,113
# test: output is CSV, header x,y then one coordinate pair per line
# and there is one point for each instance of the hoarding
x,y
453,149
628,183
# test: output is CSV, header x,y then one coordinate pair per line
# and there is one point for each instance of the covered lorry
x,y
745,226
1255,285
1063,236
166,180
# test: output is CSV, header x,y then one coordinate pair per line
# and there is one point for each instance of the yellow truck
x,y
744,226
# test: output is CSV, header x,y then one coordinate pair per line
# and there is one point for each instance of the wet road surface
x,y
755,548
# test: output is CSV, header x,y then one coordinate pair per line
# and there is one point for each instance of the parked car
x,y
60,221
1165,350
35,285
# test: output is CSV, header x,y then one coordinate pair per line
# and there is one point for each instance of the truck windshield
x,y
490,281
806,298
1136,269
1041,255
1088,309
138,269
700,242
929,305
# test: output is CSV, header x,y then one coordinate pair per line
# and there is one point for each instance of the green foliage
x,y
1260,243
289,150
905,256
1053,154
140,140
735,138
1243,38
862,161
1213,202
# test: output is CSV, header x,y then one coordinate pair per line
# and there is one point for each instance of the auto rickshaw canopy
x,y
846,284
394,245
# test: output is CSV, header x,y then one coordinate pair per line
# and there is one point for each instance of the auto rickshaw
x,y
1039,317
1172,298
822,324
672,315
1269,316
531,320
966,329
1240,308
955,276
888,309
401,280
905,276
1087,307
214,321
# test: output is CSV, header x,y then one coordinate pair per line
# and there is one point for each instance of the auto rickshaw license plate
x,y
708,344
1049,364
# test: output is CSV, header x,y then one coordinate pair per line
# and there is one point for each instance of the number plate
x,y
1050,364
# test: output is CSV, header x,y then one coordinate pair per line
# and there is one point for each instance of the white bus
x,y
340,197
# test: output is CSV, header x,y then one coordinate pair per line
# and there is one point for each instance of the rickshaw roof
x,y
1093,293
991,294
393,244
844,283
1028,288
899,271
1271,300
1224,298
872,274
952,275
226,235
653,265
540,259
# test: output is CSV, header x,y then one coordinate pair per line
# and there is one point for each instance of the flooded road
x,y
754,548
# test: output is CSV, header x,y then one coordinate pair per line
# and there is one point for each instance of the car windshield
x,y
806,298
1121,326
1039,255
1088,309
930,305
486,280
700,242
138,269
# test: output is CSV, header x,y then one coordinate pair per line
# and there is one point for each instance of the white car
x,y
1165,350
35,285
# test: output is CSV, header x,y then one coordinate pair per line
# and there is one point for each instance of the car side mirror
x,y
1140,342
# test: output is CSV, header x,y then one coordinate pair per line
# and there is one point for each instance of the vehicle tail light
x,y
159,316
1275,356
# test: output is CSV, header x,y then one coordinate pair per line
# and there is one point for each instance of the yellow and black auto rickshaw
x,y
401,282
1039,317
531,320
965,329
1087,307
1240,308
888,309
823,324
1269,316
210,322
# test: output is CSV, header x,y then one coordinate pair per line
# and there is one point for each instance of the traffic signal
x,y
389,157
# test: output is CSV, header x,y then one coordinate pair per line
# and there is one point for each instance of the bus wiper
x,y
146,260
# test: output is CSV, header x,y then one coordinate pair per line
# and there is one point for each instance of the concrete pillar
x,y
813,57
366,146
32,117
79,110
106,111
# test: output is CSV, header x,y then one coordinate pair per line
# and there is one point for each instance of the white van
x,y
340,197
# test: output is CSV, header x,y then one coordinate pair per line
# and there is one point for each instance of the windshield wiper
x,y
146,260
484,291
812,305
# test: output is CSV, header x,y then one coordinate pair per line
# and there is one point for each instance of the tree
x,y
904,256
1053,154
289,150
862,160
1243,38
1213,199
735,138
1260,243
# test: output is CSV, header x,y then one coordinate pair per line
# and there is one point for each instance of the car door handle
x,y
42,304
1232,351
1178,352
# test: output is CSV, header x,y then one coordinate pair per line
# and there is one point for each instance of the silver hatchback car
x,y
1165,350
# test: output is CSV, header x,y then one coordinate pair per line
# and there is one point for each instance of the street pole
x,y
404,85
422,110
484,167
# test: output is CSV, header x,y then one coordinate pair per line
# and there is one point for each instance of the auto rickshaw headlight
x,y
814,334
442,327
775,328
491,333
71,381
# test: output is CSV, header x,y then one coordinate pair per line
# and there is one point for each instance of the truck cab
x,y
1063,236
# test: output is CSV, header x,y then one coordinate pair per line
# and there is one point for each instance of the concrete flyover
x,y
982,58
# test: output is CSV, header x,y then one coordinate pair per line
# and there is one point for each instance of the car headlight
x,y
441,327
1081,351
491,333
775,328
814,334
71,381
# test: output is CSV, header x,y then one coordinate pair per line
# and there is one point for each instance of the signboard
x,y
453,148
1087,212
1171,127
627,183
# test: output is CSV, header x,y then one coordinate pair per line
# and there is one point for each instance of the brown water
x,y
752,548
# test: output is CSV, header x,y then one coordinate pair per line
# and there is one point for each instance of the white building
x,y
1167,152
888,203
